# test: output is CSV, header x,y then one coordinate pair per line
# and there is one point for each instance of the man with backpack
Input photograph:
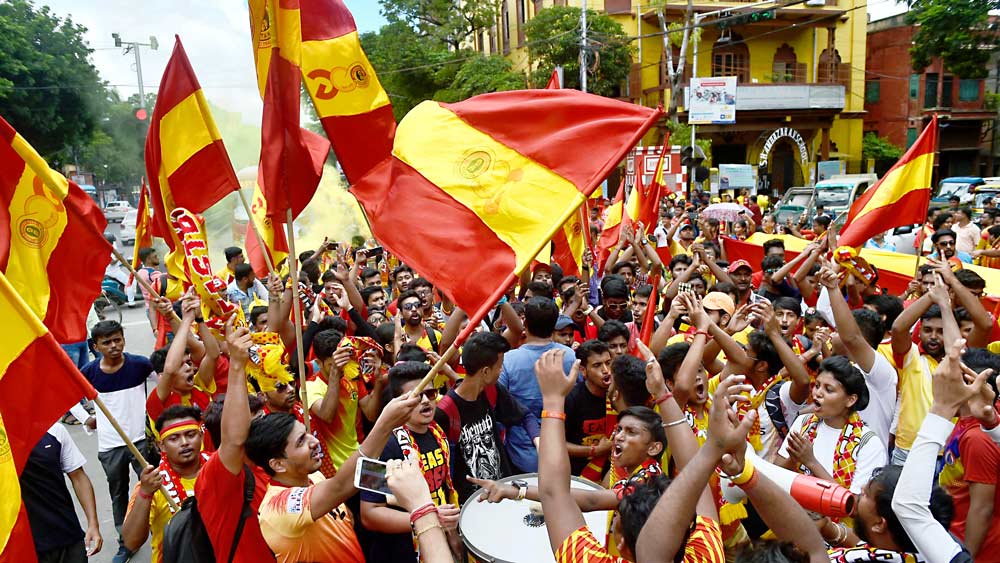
x,y
473,414
180,431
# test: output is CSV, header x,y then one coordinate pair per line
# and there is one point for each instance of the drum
x,y
506,532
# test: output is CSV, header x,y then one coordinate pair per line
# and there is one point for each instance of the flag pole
x,y
260,238
474,321
293,269
135,451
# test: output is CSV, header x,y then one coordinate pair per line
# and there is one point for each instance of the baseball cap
x,y
737,264
563,321
718,301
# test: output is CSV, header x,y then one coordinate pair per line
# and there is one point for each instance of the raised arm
x,y
980,335
325,407
800,383
901,327
858,348
178,346
236,409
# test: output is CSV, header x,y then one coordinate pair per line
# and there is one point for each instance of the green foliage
x,y
49,90
680,134
958,31
447,22
554,40
115,152
991,101
879,148
482,74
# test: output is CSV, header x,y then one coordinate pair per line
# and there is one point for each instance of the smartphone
x,y
375,252
370,475
685,287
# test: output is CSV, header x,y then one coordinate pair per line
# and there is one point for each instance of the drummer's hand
x,y
448,516
407,483
495,492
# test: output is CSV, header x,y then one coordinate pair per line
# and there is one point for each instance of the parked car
x,y
793,203
838,193
962,186
981,193
115,211
127,232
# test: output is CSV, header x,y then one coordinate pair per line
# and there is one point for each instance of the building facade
x,y
801,69
900,102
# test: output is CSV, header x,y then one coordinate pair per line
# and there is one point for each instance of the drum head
x,y
505,533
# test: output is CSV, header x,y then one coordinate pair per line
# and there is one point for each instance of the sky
x,y
215,34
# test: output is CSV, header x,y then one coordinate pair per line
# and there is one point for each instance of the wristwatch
x,y
522,488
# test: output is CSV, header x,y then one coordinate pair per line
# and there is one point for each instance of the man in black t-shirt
x,y
419,439
472,413
589,418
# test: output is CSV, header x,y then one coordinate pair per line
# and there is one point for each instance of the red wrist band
x,y
554,414
667,396
421,512
144,495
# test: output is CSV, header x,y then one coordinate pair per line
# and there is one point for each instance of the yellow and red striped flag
x,y
616,220
186,161
350,101
275,243
900,198
143,238
291,158
499,173
643,204
52,245
38,383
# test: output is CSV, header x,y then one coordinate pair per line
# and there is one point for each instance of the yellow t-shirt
x,y
226,275
159,515
288,527
339,437
915,395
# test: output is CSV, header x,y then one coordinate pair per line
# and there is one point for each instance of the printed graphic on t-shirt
x,y
478,448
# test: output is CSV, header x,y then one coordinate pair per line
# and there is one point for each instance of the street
x,y
138,340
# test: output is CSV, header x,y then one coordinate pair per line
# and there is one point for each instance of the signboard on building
x,y
827,169
712,100
643,160
736,176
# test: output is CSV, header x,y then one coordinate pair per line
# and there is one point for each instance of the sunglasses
x,y
410,306
946,243
430,394
616,306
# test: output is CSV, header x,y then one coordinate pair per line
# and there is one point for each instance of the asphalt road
x,y
138,340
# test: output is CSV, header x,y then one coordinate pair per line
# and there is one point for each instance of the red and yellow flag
x,y
186,161
570,242
350,101
143,238
52,245
291,158
500,173
38,384
614,222
275,243
644,202
900,198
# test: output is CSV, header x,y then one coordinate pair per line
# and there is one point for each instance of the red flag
x,y
615,221
38,383
143,238
649,317
291,158
52,245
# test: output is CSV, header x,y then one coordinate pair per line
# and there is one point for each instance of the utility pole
x,y
583,46
133,46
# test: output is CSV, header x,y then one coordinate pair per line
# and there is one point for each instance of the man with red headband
x,y
149,511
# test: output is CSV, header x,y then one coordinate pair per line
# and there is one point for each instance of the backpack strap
x,y
248,490
454,429
432,337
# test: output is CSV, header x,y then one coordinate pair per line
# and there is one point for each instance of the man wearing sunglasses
x,y
944,241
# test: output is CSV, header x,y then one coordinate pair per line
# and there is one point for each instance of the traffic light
x,y
728,19
692,156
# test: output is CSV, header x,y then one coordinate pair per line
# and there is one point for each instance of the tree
x,y
676,34
481,74
554,40
448,22
49,90
115,151
957,31
879,148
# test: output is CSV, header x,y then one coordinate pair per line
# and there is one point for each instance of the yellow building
x,y
801,68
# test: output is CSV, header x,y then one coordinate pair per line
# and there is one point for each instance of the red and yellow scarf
x,y
844,463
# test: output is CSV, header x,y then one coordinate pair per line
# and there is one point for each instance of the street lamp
x,y
133,46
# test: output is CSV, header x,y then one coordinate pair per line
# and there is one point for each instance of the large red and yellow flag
x,y
482,185
38,383
143,238
52,245
570,242
275,243
186,161
900,198
616,220
291,158
350,101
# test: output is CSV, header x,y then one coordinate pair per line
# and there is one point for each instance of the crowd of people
x,y
803,363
